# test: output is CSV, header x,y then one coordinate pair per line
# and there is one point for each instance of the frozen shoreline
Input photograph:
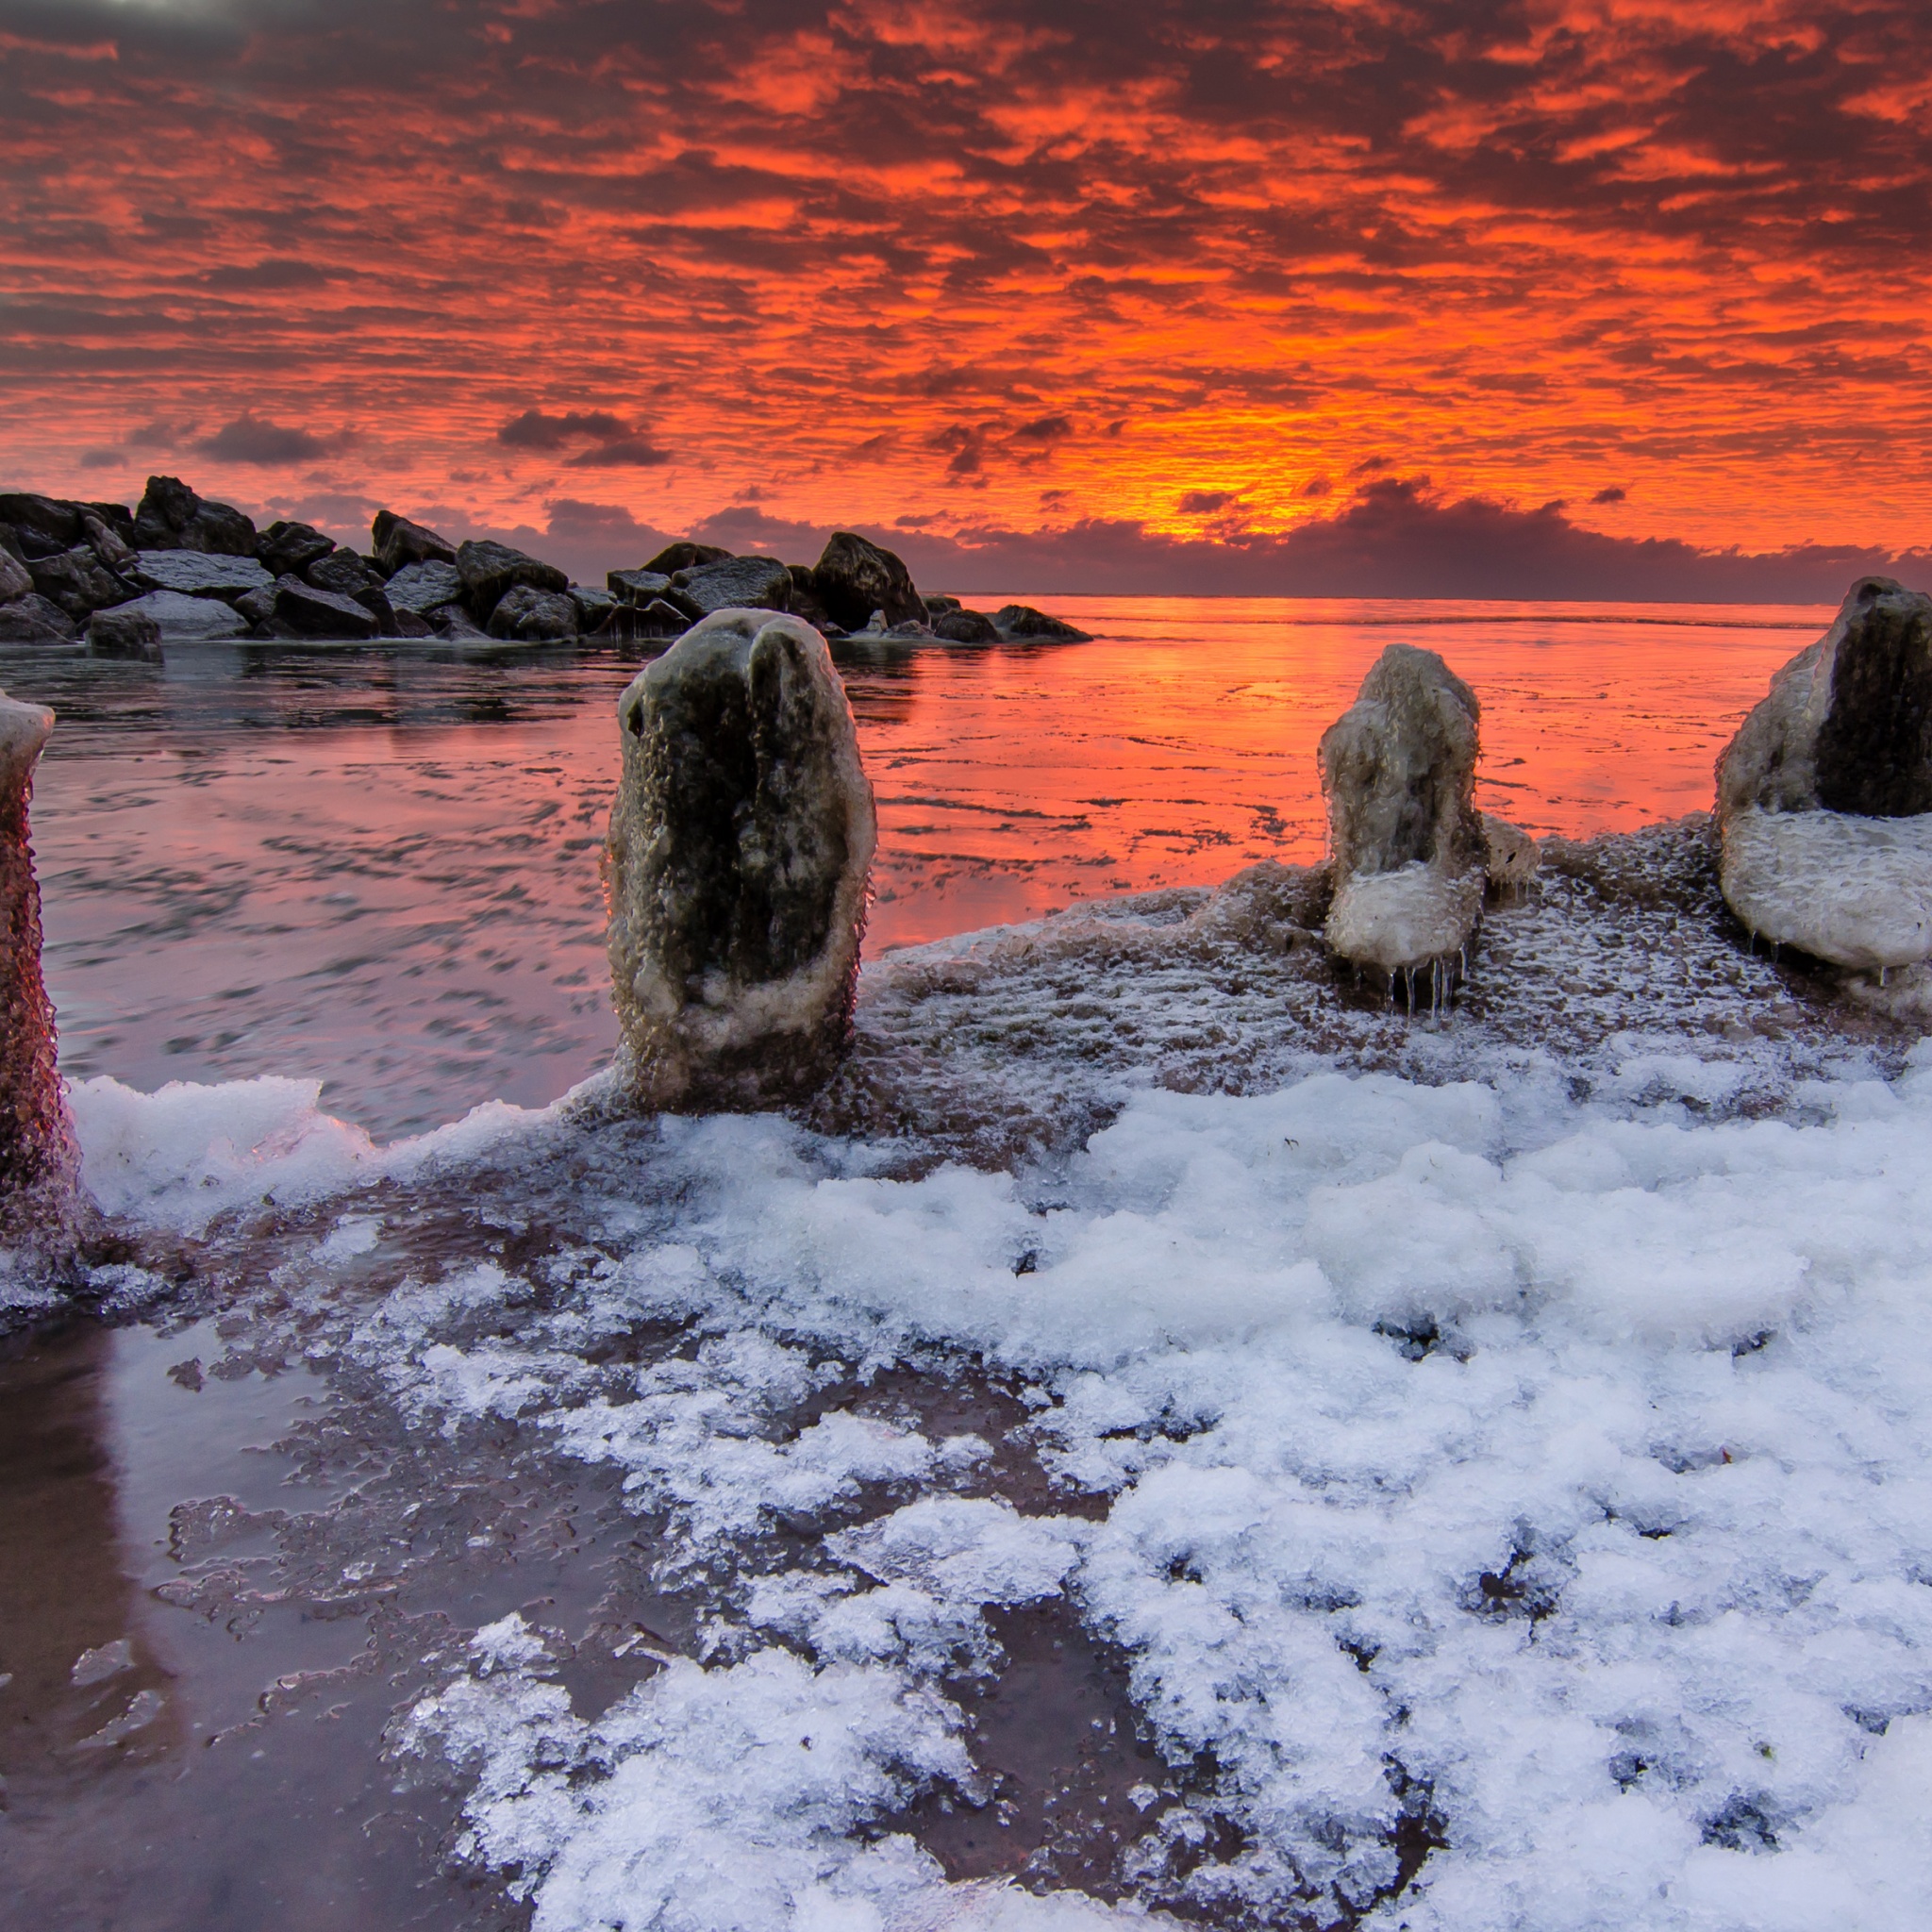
x,y
1503,1436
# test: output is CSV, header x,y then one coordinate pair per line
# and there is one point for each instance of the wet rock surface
x,y
739,844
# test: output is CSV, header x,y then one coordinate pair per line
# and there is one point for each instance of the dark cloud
x,y
251,439
533,430
284,274
626,453
1610,492
1044,430
1201,503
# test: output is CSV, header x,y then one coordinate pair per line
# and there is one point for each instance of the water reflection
x,y
379,868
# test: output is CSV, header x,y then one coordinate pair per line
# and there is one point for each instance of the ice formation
x,y
1824,796
36,1143
739,844
1409,855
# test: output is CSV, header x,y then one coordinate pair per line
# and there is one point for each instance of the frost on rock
x,y
37,1160
739,843
1409,847
1824,796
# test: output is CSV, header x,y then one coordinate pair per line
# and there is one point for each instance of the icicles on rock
x,y
1510,857
1824,796
1398,769
38,1162
740,841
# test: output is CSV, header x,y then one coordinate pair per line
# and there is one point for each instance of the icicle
x,y
1883,973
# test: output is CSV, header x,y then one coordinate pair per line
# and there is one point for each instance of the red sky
x,y
1132,275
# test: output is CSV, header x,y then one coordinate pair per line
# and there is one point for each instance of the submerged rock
x,y
37,1148
1824,796
1398,768
741,840
855,577
959,626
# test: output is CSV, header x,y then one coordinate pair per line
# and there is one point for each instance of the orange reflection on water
x,y
1180,744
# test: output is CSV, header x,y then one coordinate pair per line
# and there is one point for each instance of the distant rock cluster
x,y
180,568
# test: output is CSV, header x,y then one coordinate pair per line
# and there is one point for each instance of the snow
x,y
1529,1435
1402,919
1856,891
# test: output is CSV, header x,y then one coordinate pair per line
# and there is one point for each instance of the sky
x,y
1457,297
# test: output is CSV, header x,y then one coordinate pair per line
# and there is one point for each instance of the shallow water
x,y
379,868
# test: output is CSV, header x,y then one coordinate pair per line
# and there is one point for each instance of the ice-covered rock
x,y
199,573
489,569
1824,796
36,1141
178,617
741,840
733,583
1398,768
421,586
1512,856
529,615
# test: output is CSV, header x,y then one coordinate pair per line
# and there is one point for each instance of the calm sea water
x,y
379,868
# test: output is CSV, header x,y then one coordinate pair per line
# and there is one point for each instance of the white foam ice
x,y
1407,917
1566,1463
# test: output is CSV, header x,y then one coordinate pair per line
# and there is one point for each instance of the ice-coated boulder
x,y
420,587
198,573
1512,855
35,1141
854,577
529,615
1398,769
398,541
637,586
733,583
179,618
1824,796
488,569
740,838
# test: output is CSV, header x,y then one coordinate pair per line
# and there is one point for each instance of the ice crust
x,y
1568,1458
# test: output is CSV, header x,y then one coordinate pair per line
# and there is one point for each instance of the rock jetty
x,y
1824,796
179,568
1410,854
741,840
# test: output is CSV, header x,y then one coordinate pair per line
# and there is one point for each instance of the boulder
x,y
488,569
258,607
179,618
740,838
37,1149
409,624
1510,856
734,583
127,631
806,605
32,620
419,587
1023,621
961,627
75,580
171,517
16,580
637,586
288,549
452,621
685,555
1824,796
532,616
656,619
108,545
854,577
936,607
346,575
399,543
596,610
199,573
1410,862
313,613
117,517
41,525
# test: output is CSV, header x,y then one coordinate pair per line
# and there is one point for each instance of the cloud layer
x,y
1052,270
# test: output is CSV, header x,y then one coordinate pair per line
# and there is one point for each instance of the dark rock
x,y
911,633
107,546
288,549
660,618
33,620
29,546
258,607
313,613
533,616
1409,856
55,526
16,580
686,556
171,517
349,576
454,622
637,586
489,569
736,583
961,627
399,543
37,1146
741,838
596,610
117,517
419,587
75,581
854,577
199,573
937,607
411,623
1023,621
181,617
127,631
805,602
220,529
